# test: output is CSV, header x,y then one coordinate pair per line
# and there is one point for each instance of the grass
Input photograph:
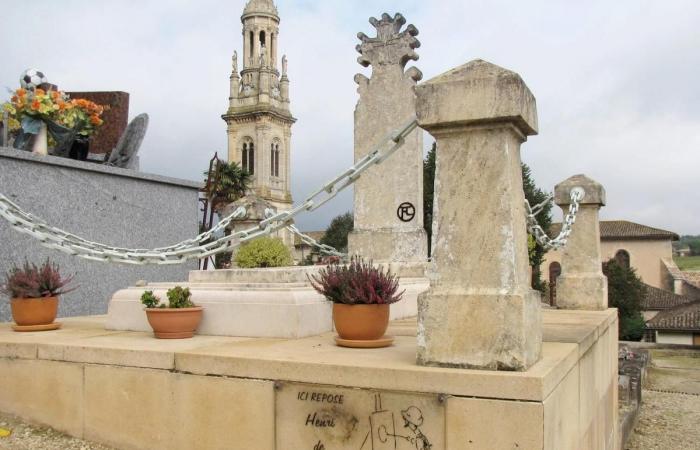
x,y
687,262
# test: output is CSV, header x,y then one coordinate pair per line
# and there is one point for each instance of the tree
x,y
626,292
229,182
337,232
535,196
429,192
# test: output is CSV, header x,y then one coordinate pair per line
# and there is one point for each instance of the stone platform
x,y
271,302
129,390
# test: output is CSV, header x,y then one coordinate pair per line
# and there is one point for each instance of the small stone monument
x,y
480,311
124,154
388,198
582,284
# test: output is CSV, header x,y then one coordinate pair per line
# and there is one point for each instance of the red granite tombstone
x,y
115,118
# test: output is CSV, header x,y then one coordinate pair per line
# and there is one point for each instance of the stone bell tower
x,y
258,120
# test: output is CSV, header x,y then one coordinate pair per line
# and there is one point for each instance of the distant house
x,y
646,249
678,325
302,249
682,251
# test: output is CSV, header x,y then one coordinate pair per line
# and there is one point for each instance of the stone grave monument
x,y
388,207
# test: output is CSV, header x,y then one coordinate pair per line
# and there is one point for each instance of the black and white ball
x,y
31,78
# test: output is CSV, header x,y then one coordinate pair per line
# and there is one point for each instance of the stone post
x,y
388,203
582,284
480,311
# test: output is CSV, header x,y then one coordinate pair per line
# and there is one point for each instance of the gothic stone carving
x,y
389,48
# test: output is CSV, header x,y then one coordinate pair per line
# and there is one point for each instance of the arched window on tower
x,y
248,156
275,159
622,258
251,42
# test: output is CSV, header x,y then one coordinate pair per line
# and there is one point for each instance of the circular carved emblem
x,y
406,212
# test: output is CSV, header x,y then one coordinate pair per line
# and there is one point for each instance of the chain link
x,y
201,246
539,234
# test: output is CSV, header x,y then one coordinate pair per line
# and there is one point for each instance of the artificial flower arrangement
x,y
54,106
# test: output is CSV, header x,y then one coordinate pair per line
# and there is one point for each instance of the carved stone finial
x,y
234,60
391,46
284,64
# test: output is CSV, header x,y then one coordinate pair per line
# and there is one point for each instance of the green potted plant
x,y
361,294
178,319
34,293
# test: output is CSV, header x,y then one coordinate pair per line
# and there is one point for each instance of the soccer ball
x,y
31,78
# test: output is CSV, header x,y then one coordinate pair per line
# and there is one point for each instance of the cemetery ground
x,y
670,410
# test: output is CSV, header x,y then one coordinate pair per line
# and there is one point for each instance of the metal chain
x,y
539,234
201,246
323,248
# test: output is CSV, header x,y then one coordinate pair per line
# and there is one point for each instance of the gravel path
x,y
669,420
29,437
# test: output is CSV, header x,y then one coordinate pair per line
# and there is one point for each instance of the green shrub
x,y
179,297
149,300
263,252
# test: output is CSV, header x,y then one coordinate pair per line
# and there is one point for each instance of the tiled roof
x,y
692,277
681,318
317,235
660,299
624,229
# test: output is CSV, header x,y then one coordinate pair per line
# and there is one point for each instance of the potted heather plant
x,y
361,294
178,319
34,293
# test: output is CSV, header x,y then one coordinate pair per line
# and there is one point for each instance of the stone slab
x,y
43,392
312,416
221,391
109,205
476,423
291,309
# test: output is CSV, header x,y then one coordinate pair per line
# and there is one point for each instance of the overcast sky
x,y
617,82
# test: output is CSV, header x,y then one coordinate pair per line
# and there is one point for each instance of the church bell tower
x,y
258,120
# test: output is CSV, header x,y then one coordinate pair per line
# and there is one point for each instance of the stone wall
x,y
108,205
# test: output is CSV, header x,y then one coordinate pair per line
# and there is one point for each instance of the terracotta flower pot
x,y
34,311
360,322
174,323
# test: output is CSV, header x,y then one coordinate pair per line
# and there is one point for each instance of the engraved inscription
x,y
332,418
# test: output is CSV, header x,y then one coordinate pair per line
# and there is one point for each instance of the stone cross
x,y
480,311
388,203
582,284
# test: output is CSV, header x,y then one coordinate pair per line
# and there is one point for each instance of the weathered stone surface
x,y
126,211
582,284
314,416
125,153
480,311
487,93
387,101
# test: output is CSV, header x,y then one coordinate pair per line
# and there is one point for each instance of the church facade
x,y
258,119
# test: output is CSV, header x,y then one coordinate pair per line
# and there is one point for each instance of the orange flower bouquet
x,y
81,115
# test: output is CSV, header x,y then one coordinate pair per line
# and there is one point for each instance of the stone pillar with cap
x,y
480,311
582,284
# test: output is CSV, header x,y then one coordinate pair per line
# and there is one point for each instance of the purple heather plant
x,y
357,283
31,281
